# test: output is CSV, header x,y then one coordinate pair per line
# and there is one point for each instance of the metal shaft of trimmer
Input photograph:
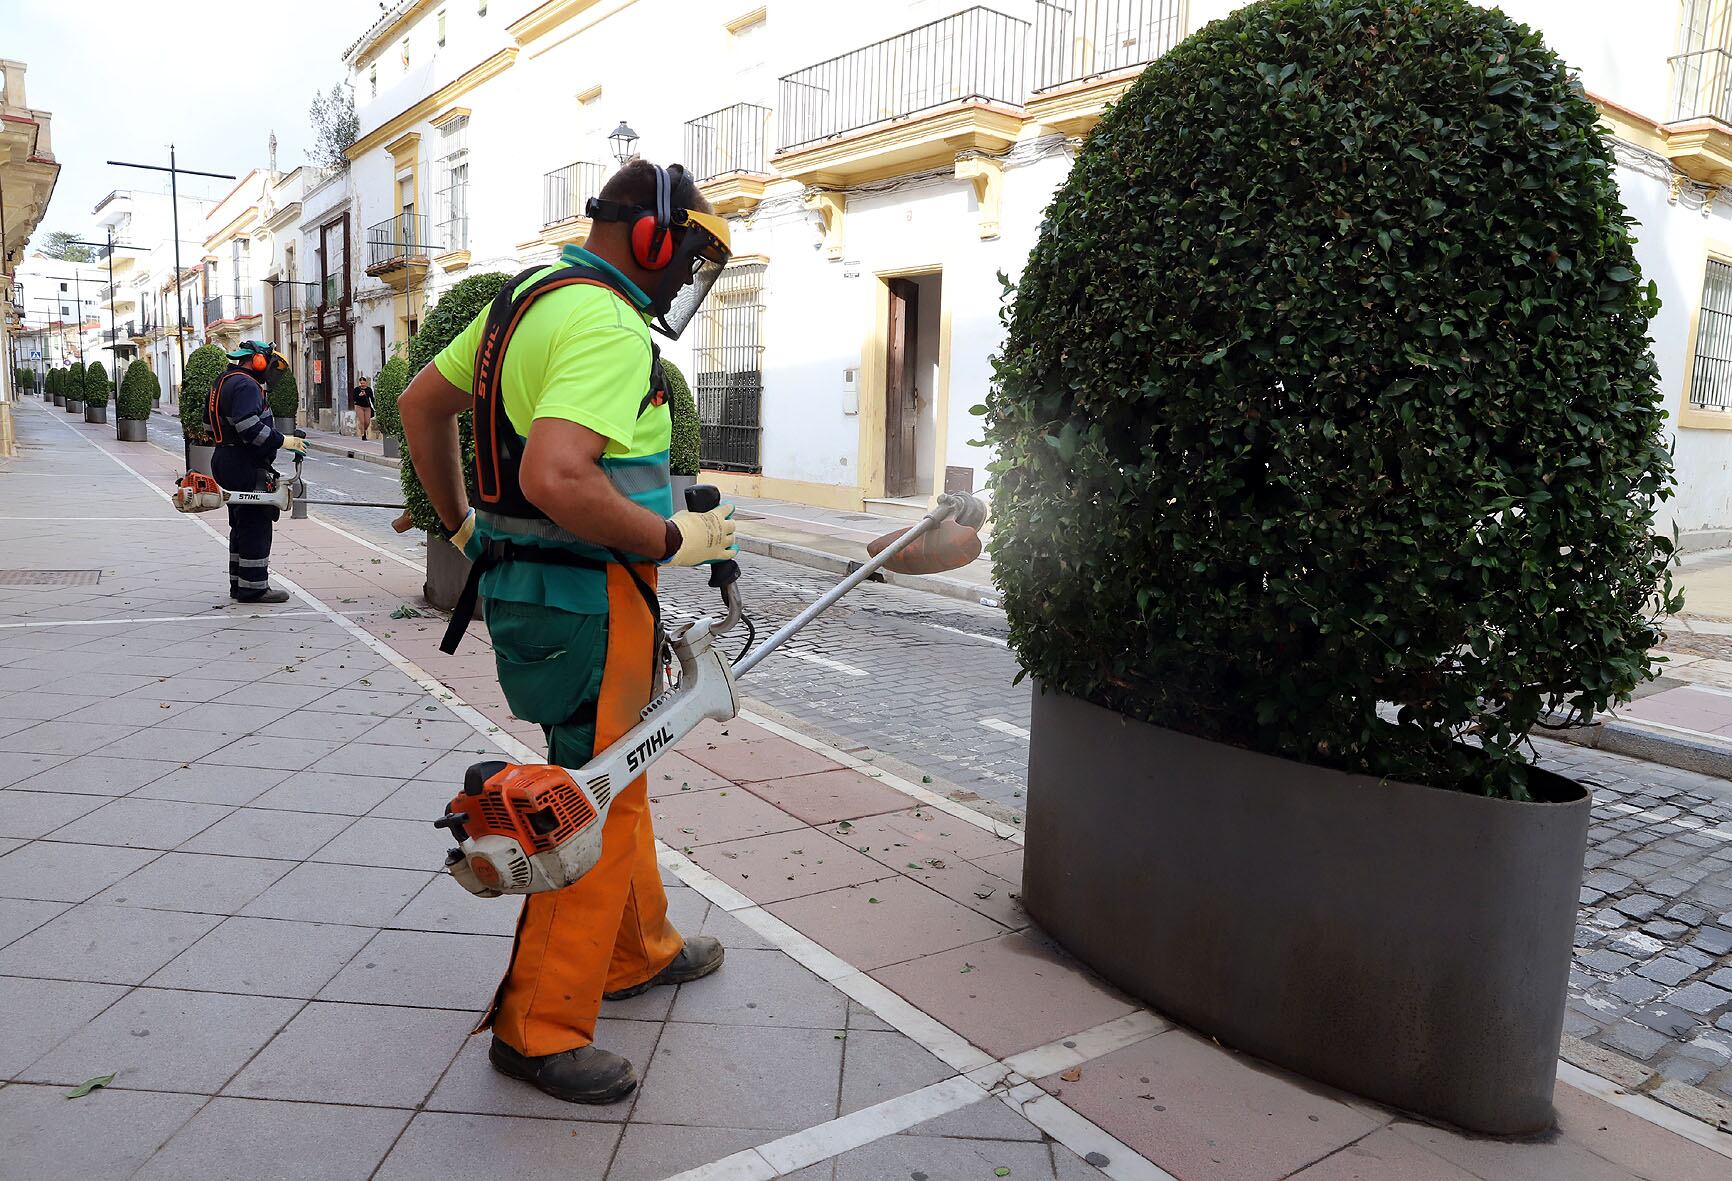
x,y
943,512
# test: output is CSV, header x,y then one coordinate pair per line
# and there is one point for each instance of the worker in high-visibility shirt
x,y
575,514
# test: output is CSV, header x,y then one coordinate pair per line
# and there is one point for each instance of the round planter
x,y
1406,943
681,483
96,412
447,571
131,430
60,400
198,458
393,449
74,406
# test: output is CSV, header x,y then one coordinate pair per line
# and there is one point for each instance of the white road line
x,y
956,631
362,541
1004,727
826,662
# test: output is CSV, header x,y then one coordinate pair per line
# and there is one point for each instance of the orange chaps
x,y
609,930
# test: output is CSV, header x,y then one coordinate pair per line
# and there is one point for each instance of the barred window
x,y
728,358
1711,375
453,203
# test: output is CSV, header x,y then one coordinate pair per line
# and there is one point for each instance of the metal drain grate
x,y
49,577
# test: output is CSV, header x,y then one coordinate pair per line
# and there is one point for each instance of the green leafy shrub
x,y
27,379
203,366
284,395
138,391
449,317
52,382
1327,385
393,379
75,382
684,453
97,386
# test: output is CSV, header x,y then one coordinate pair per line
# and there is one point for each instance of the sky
x,y
125,78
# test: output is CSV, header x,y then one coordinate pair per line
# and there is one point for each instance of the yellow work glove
x,y
295,443
460,536
705,537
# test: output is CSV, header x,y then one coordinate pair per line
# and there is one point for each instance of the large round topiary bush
x,y
685,449
203,366
51,383
97,386
449,317
1328,385
393,379
138,392
75,382
284,395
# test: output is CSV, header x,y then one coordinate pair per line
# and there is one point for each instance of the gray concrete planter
x,y
1404,943
96,412
681,483
60,400
199,457
132,430
74,406
447,571
393,449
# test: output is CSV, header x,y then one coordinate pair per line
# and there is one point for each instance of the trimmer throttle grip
x,y
703,498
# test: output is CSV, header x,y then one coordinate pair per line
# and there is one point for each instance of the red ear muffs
x,y
651,245
260,362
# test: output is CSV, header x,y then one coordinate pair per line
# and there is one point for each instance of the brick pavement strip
x,y
304,1026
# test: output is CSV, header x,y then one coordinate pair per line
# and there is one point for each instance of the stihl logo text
x,y
640,754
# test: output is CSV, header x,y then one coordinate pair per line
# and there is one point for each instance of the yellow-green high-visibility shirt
x,y
582,354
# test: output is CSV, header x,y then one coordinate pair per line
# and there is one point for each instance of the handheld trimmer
x,y
525,828
198,493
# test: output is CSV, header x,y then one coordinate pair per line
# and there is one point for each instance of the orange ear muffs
x,y
651,244
259,362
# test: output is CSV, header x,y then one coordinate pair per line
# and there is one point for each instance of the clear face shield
x,y
698,262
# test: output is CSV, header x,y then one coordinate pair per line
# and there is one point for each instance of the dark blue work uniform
x,y
247,442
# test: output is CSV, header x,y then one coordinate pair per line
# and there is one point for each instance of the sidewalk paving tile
x,y
289,754
42,1013
109,1133
131,711
419,730
731,1077
111,944
1515,1160
54,872
264,1140
1385,1155
332,727
1006,994
689,820
745,754
264,957
203,784
318,791
652,1152
472,1085
359,758
170,745
64,738
441,1144
984,1119
41,812
824,797
15,766
1632,1142
935,1157
419,799
364,895
879,1066
398,844
764,988
434,970
199,882
443,905
884,922
1194,1091
161,1040
368,1055
141,824
673,774
784,864
95,775
263,832
20,916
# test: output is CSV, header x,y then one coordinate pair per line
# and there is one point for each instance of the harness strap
x,y
496,553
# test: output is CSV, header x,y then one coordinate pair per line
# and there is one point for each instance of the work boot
x,y
701,955
588,1074
274,595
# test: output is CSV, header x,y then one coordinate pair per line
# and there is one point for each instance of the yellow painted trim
x,y
232,230
436,101
929,140
875,380
1074,109
403,146
735,193
369,52
452,260
987,176
757,16
941,395
588,96
448,114
1630,126
835,496
832,209
1685,414
574,230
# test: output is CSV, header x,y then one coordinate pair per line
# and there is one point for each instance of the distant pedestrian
x,y
362,400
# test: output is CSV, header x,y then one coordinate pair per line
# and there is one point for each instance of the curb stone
x,y
1653,745
363,456
1637,1079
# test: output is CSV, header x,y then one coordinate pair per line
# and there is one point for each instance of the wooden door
x,y
901,404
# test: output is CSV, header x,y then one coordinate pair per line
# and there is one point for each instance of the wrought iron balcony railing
x,y
977,55
733,139
1077,39
226,307
1702,85
405,237
566,191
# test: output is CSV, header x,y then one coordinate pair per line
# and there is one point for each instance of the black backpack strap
x,y
496,553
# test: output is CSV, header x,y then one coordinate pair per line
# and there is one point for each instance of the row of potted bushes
x,y
86,389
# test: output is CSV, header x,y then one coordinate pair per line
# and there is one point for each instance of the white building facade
x,y
881,164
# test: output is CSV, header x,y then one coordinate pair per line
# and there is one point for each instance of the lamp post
x,y
113,332
624,143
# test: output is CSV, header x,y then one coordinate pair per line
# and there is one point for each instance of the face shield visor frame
x,y
699,260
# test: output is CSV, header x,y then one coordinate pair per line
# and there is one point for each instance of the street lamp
x,y
624,142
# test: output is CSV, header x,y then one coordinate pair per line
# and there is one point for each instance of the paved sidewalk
x,y
217,883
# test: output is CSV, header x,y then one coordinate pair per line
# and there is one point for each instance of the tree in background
x,y
335,126
62,244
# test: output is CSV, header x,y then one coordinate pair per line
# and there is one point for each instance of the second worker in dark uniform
x,y
239,417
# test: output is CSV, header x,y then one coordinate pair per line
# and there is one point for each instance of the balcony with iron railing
x,y
1698,133
728,154
906,103
565,192
226,307
1088,52
398,246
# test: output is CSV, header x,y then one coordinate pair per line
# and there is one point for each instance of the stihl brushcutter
x,y
525,828
196,492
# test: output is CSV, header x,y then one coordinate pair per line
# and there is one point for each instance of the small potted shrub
x,y
686,445
97,389
1328,461
54,388
447,570
75,388
139,389
393,379
203,366
285,399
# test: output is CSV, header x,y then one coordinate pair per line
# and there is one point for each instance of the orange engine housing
x,y
537,805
